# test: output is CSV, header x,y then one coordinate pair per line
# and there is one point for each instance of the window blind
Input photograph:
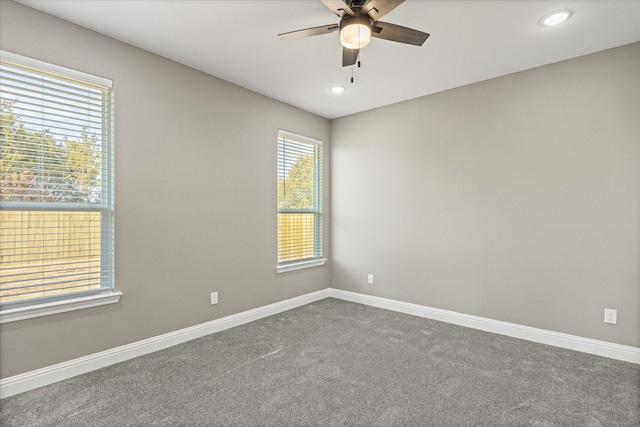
x,y
56,209
299,198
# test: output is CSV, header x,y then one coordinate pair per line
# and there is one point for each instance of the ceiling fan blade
x,y
338,7
349,56
396,33
308,32
376,9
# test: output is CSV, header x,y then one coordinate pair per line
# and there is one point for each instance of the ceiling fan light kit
x,y
355,32
358,24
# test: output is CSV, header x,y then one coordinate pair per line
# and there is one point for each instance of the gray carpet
x,y
338,363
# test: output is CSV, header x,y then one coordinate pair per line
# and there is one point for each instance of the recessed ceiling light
x,y
338,89
556,18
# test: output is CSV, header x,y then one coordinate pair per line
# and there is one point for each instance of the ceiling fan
x,y
358,23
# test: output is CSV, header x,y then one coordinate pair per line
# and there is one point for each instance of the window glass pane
x,y
296,236
296,183
49,253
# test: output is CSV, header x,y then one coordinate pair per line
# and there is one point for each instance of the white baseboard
x,y
571,342
62,371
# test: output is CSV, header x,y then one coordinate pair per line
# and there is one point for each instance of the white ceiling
x,y
470,41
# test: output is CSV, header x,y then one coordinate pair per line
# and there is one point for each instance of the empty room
x,y
319,212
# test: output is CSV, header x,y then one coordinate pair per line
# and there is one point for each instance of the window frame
x,y
106,294
318,197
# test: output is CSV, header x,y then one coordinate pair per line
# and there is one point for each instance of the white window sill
x,y
60,306
300,265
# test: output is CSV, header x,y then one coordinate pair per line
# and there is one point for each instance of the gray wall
x,y
195,196
514,199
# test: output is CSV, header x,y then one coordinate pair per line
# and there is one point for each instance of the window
x,y
56,201
299,202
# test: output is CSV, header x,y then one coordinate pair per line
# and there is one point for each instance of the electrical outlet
x,y
370,279
610,316
214,298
